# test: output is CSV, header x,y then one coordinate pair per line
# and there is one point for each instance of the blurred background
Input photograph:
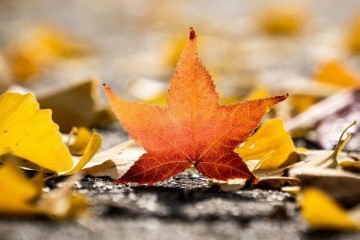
x,y
309,49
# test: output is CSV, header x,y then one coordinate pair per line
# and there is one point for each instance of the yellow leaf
x,y
29,133
149,90
350,165
273,140
352,38
91,149
333,72
86,112
160,100
321,212
174,49
22,66
23,196
256,93
18,194
301,102
79,139
283,19
39,48
62,203
52,42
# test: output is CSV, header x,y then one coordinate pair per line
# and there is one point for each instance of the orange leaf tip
x,y
106,87
192,35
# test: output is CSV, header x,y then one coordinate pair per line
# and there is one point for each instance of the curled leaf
x,y
78,140
91,149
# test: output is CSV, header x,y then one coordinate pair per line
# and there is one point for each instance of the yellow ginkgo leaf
x,y
17,193
39,48
88,110
258,92
352,36
272,141
159,100
333,72
78,140
283,19
52,42
24,196
149,90
63,203
322,212
301,102
29,133
173,50
91,149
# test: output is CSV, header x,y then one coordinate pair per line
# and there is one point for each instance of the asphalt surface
x,y
185,207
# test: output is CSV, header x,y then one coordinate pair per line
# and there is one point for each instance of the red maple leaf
x,y
193,129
